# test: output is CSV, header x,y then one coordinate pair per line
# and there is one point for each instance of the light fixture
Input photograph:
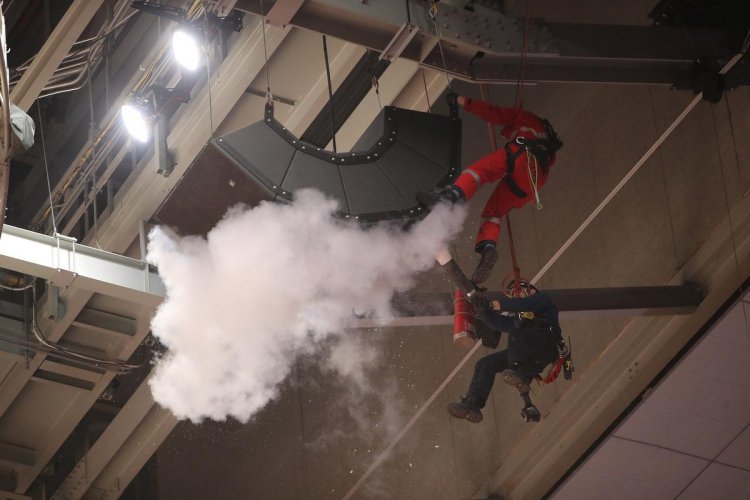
x,y
186,49
136,121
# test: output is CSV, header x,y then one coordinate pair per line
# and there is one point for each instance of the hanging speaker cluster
x,y
403,152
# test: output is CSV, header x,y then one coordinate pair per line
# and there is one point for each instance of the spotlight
x,y
186,49
137,123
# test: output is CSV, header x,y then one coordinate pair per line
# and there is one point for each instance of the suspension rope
x,y
729,217
208,69
381,457
519,82
46,167
269,96
330,94
432,12
94,164
426,94
484,92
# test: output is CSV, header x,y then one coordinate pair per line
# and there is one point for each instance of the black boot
x,y
468,408
511,377
451,194
486,263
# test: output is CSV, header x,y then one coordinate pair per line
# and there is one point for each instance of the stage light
x,y
186,49
136,121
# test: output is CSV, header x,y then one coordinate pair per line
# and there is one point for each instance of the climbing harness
x,y
563,363
539,152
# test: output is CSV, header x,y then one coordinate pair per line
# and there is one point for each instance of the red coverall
x,y
516,123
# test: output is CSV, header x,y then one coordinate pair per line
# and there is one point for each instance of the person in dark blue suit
x,y
534,341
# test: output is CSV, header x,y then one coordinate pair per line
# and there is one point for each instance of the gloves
x,y
479,302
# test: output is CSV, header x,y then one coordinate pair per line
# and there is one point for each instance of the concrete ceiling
x,y
68,431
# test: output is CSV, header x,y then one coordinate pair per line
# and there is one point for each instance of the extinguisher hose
x,y
459,278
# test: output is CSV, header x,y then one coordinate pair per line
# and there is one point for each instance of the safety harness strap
x,y
542,149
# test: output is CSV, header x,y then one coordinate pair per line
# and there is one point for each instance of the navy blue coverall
x,y
532,343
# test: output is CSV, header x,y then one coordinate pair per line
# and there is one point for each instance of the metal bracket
x,y
54,308
165,164
396,46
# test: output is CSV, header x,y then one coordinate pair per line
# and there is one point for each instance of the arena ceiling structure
x,y
643,238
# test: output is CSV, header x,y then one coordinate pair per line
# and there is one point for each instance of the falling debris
x,y
268,284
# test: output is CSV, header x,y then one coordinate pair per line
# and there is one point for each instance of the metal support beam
x,y
596,54
485,45
17,455
64,262
108,445
283,11
374,25
7,495
105,322
590,303
55,49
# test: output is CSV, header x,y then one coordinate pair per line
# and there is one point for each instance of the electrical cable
x,y
118,365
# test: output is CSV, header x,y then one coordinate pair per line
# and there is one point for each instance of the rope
x,y
426,94
269,96
208,69
330,93
511,245
536,278
519,83
729,218
534,179
432,12
555,371
46,167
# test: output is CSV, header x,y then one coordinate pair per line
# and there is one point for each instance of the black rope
x,y
408,13
330,92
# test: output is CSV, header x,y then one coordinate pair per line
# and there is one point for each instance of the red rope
x,y
555,371
514,260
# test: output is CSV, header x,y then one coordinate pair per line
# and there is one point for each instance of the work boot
x,y
429,199
511,377
486,263
468,408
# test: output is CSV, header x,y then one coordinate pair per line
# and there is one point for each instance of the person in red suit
x,y
521,166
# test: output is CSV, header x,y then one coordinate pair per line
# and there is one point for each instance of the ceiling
x,y
81,429
688,436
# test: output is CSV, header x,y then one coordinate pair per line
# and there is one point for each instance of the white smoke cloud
x,y
267,285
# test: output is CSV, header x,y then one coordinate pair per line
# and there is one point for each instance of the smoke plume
x,y
267,285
